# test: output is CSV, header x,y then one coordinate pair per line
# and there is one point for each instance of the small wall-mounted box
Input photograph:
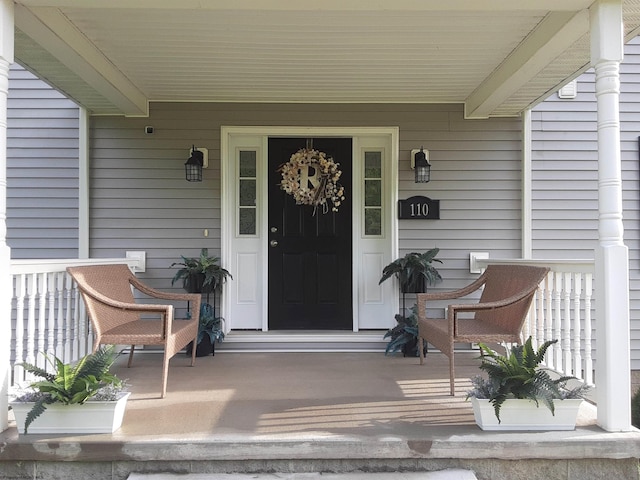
x,y
473,264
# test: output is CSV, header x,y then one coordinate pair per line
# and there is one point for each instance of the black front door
x,y
309,254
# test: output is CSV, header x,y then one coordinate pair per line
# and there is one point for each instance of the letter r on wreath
x,y
309,175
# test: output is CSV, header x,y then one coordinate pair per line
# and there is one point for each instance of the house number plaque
x,y
419,208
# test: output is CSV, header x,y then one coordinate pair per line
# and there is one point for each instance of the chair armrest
x,y
505,302
142,307
461,292
194,298
162,295
422,298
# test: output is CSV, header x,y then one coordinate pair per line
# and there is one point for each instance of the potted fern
x,y
404,336
202,274
519,394
72,398
209,331
413,271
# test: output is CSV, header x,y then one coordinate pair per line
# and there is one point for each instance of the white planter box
x,y
90,417
525,415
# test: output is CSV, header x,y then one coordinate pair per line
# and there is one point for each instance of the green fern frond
x,y
37,371
38,408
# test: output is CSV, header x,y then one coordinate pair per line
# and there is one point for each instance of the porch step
x,y
303,341
449,474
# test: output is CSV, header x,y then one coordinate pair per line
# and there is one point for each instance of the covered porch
x,y
276,411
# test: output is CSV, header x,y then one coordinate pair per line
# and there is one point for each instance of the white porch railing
x,y
48,314
562,311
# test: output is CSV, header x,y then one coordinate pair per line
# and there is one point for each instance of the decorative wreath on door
x,y
312,179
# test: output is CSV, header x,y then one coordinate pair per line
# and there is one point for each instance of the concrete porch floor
x,y
313,412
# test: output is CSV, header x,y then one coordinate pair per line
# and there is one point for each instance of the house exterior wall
x,y
565,177
141,201
42,170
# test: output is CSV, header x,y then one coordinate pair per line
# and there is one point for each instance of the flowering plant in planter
x,y
71,384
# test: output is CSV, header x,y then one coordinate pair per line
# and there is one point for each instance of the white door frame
x,y
244,299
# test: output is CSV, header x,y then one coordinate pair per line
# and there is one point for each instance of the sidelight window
x,y
247,192
373,193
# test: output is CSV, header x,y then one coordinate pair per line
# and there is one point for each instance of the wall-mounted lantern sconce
x,y
421,165
198,160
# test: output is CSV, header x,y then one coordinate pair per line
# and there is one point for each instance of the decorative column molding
x,y
527,186
83,187
6,59
613,369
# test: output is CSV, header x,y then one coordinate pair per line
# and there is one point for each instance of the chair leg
x,y
421,349
131,356
193,351
452,375
165,373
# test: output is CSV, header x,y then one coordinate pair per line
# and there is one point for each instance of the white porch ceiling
x,y
496,57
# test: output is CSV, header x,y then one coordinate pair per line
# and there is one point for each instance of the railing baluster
x,y
51,314
540,324
577,357
549,318
588,360
67,338
557,321
31,318
75,348
18,375
41,333
82,331
566,329
59,348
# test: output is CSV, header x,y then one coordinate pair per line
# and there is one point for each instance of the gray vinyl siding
x,y
565,177
141,201
42,170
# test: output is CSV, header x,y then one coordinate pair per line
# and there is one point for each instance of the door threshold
x,y
303,341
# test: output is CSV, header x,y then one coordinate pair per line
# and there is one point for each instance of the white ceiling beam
x,y
325,5
554,35
53,31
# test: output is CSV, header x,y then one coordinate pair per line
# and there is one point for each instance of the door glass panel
x,y
247,192
373,193
372,221
248,163
247,221
373,165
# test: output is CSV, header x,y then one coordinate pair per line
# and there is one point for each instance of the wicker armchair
x,y
118,320
498,316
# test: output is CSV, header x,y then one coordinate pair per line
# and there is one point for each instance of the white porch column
x,y
6,59
613,364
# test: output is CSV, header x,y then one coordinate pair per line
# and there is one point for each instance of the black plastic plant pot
x,y
415,284
195,284
204,348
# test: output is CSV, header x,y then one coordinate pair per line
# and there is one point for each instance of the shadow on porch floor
x,y
283,394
